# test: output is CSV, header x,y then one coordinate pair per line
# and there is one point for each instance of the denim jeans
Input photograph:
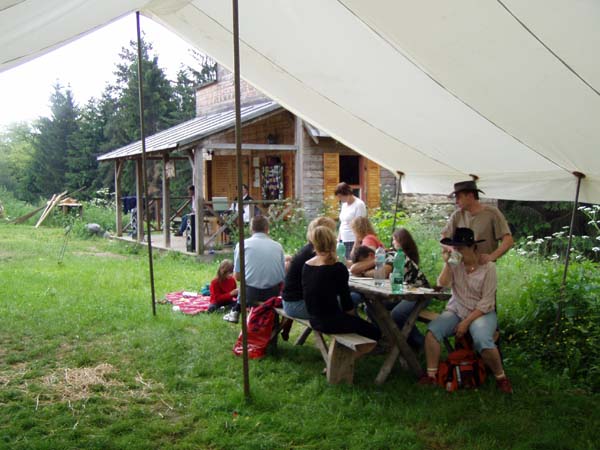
x,y
482,329
296,309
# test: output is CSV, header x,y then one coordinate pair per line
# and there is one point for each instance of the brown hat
x,y
468,185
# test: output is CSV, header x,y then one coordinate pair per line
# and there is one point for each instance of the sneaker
x,y
232,316
504,385
426,380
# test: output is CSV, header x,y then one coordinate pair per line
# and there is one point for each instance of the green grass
x,y
171,381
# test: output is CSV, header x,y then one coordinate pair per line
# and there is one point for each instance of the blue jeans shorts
x,y
296,309
482,329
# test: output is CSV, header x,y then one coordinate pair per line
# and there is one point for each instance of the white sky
x,y
86,64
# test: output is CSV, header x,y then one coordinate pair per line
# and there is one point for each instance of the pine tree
x,y
52,144
82,166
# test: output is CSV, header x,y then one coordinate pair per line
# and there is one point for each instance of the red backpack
x,y
462,369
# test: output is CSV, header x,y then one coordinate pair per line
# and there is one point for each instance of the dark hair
x,y
259,224
245,186
407,244
361,253
343,189
191,188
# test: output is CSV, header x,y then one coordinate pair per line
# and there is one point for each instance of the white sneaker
x,y
232,316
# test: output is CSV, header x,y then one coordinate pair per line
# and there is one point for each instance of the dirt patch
x,y
101,254
6,255
80,383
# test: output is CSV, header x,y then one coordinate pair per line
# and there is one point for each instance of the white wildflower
x,y
596,249
555,256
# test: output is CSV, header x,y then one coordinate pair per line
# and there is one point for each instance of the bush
x,y
571,345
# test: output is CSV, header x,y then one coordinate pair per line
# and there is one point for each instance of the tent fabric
x,y
505,90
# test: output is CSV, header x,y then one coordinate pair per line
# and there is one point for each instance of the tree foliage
x,y
59,152
52,144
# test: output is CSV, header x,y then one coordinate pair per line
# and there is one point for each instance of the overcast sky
x,y
86,65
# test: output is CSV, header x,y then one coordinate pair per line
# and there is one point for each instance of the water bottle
x,y
397,276
379,263
341,252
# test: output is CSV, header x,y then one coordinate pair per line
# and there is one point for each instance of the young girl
x,y
364,233
223,289
402,239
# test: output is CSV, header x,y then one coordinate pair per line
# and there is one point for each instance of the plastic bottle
x,y
379,263
341,252
397,276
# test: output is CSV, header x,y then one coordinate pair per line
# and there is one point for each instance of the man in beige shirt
x,y
486,221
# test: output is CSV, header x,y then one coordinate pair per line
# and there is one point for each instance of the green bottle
x,y
397,276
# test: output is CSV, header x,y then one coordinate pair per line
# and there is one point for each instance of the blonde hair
x,y
323,240
318,222
361,226
225,267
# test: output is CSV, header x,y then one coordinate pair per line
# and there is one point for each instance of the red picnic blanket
x,y
189,303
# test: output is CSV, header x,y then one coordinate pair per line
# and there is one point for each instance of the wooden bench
x,y
339,355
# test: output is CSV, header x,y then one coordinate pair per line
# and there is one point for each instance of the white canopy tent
x,y
504,90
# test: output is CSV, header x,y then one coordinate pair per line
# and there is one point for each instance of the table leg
x,y
384,320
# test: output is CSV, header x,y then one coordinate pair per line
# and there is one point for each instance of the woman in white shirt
x,y
352,207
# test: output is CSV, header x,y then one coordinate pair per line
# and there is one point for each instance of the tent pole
x,y
240,193
398,191
144,162
579,176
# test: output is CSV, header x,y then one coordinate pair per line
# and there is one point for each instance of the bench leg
x,y
322,346
340,364
303,337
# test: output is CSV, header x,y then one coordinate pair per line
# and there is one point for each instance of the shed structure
x,y
283,157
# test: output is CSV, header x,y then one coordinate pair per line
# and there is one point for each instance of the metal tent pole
x,y
579,176
240,194
144,162
398,191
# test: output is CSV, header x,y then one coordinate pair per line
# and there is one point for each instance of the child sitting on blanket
x,y
223,289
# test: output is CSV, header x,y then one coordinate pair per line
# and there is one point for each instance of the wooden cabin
x,y
283,156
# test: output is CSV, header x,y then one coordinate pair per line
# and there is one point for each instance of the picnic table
x,y
376,298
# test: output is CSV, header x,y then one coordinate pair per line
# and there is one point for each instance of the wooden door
x,y
331,178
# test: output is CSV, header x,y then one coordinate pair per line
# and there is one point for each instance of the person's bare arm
x,y
445,277
505,245
359,268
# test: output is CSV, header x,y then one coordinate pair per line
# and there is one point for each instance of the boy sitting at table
x,y
363,263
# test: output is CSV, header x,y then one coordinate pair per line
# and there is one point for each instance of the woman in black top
x,y
293,298
324,280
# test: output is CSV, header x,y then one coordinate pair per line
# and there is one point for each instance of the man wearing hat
x,y
486,221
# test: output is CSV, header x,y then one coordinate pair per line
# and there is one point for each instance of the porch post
x,y
199,199
299,141
139,204
118,206
166,202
